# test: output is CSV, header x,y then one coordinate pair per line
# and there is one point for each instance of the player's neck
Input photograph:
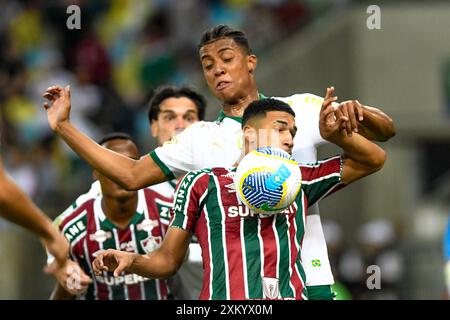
x,y
236,108
120,212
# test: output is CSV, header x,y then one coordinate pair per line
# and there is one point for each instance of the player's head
x,y
123,144
228,63
173,109
269,122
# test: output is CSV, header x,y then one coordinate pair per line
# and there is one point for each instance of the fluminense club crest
x,y
151,243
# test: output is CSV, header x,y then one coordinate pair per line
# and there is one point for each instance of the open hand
x,y
331,122
58,105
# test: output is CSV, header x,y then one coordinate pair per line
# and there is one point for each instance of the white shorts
x,y
314,251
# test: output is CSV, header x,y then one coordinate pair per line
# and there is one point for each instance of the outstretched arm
x,y
369,122
128,173
160,263
17,207
361,156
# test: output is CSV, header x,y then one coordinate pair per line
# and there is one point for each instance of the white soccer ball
x,y
267,180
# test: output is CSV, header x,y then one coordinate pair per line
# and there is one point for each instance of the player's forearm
x,y
17,207
361,150
117,167
376,126
156,264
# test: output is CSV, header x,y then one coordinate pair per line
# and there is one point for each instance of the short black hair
x,y
223,31
164,92
115,136
261,107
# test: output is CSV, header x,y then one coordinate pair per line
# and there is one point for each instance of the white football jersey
x,y
219,143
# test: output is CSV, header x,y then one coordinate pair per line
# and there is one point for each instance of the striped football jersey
x,y
246,255
89,232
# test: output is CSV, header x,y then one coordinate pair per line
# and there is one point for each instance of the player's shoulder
x,y
68,217
93,192
163,191
194,132
302,100
195,178
200,126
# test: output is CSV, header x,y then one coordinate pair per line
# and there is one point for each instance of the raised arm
x,y
369,122
361,156
17,207
160,263
128,173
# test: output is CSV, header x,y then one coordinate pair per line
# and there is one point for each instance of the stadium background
x,y
394,219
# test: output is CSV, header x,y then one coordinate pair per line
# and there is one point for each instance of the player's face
x,y
227,69
176,114
109,188
277,129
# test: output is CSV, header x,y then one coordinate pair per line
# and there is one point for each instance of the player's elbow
x,y
378,160
129,184
131,180
389,131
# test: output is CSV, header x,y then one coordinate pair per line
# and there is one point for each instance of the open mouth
x,y
222,85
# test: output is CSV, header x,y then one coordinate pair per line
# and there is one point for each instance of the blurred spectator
x,y
379,248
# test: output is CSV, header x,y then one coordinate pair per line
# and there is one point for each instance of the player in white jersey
x,y
228,66
171,110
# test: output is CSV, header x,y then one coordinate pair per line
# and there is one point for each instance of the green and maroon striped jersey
x,y
246,255
89,232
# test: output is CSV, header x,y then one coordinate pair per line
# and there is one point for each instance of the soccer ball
x,y
267,180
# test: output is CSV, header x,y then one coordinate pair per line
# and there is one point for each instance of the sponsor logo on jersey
x,y
244,211
314,100
147,225
271,287
164,212
231,187
74,230
230,174
100,236
128,246
127,279
182,189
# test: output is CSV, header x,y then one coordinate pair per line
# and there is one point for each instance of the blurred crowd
x,y
123,50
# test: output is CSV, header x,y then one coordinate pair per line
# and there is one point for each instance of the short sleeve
x,y
322,178
176,157
190,195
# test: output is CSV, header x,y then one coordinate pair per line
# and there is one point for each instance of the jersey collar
x,y
222,115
